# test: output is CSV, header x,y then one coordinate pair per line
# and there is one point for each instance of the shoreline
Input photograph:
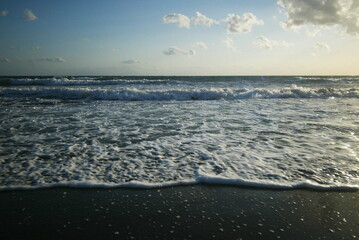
x,y
182,212
204,181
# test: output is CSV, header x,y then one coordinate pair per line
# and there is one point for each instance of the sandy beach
x,y
185,212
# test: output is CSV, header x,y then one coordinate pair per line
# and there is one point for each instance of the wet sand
x,y
185,212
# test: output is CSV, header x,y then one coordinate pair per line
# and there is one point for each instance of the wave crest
x,y
134,94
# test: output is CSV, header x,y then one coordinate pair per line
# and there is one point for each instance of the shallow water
x,y
281,132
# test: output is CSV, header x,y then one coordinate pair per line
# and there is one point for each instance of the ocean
x,y
280,132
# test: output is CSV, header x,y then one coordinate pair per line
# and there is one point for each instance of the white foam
x,y
200,180
210,179
135,94
328,78
297,139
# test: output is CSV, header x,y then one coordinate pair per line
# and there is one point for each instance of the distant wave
x,y
327,78
80,81
132,80
134,94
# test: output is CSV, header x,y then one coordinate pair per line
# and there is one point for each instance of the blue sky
x,y
187,37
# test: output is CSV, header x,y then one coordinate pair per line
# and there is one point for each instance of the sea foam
x,y
212,180
275,132
135,94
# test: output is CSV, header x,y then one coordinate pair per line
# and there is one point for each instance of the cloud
x,y
176,50
36,48
344,13
24,48
238,25
5,60
182,20
313,33
131,61
202,45
321,45
29,15
268,44
4,13
201,19
185,22
51,59
228,43
13,47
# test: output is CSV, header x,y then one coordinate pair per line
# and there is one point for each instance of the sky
x,y
179,37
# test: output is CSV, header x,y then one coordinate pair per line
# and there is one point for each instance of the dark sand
x,y
187,212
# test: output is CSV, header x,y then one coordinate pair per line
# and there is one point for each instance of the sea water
x,y
277,131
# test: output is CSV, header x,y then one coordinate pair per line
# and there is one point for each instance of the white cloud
x,y
269,44
4,13
201,19
51,59
344,13
228,43
284,26
29,15
312,33
5,60
244,24
180,19
202,45
131,61
321,45
176,50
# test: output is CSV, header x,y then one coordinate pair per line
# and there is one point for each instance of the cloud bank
x,y
29,15
344,13
176,51
241,24
235,24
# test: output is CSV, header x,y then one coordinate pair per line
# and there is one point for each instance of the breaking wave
x,y
135,94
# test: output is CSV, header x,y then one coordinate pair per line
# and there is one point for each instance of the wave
x,y
79,81
118,80
134,94
201,179
328,78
